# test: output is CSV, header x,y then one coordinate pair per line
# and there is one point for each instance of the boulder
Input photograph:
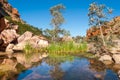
x,y
114,50
91,48
116,58
42,43
9,48
34,41
9,35
19,46
27,38
105,58
67,38
27,35
15,12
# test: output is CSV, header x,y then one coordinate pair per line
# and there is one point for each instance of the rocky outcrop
x,y
9,35
109,27
116,58
26,36
33,41
105,58
2,24
9,48
13,12
111,32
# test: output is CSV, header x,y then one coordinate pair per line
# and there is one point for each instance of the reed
x,y
67,47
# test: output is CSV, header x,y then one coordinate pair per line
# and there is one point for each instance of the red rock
x,y
2,24
15,12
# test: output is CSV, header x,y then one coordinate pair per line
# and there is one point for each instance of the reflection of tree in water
x,y
98,68
96,65
57,59
57,73
9,75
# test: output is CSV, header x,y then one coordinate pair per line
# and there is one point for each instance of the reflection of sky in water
x,y
78,69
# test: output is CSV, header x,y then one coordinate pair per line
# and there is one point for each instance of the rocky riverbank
x,y
111,51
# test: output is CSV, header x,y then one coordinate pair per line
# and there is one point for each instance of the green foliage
x,y
28,49
55,11
67,47
97,17
50,33
98,14
23,27
57,19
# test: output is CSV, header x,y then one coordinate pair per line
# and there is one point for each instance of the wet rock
x,y
105,58
116,58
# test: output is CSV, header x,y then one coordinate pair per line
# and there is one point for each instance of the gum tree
x,y
57,20
98,15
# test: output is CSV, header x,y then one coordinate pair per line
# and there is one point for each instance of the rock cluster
x,y
11,41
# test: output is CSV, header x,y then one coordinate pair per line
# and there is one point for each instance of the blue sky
x,y
36,13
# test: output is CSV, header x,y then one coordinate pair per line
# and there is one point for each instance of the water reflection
x,y
67,68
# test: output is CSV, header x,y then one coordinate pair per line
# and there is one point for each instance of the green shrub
x,y
67,47
23,27
28,49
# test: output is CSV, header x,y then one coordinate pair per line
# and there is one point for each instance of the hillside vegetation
x,y
23,27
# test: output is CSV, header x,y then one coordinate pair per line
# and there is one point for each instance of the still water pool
x,y
67,68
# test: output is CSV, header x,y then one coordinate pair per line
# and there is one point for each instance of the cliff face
x,y
109,28
13,12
